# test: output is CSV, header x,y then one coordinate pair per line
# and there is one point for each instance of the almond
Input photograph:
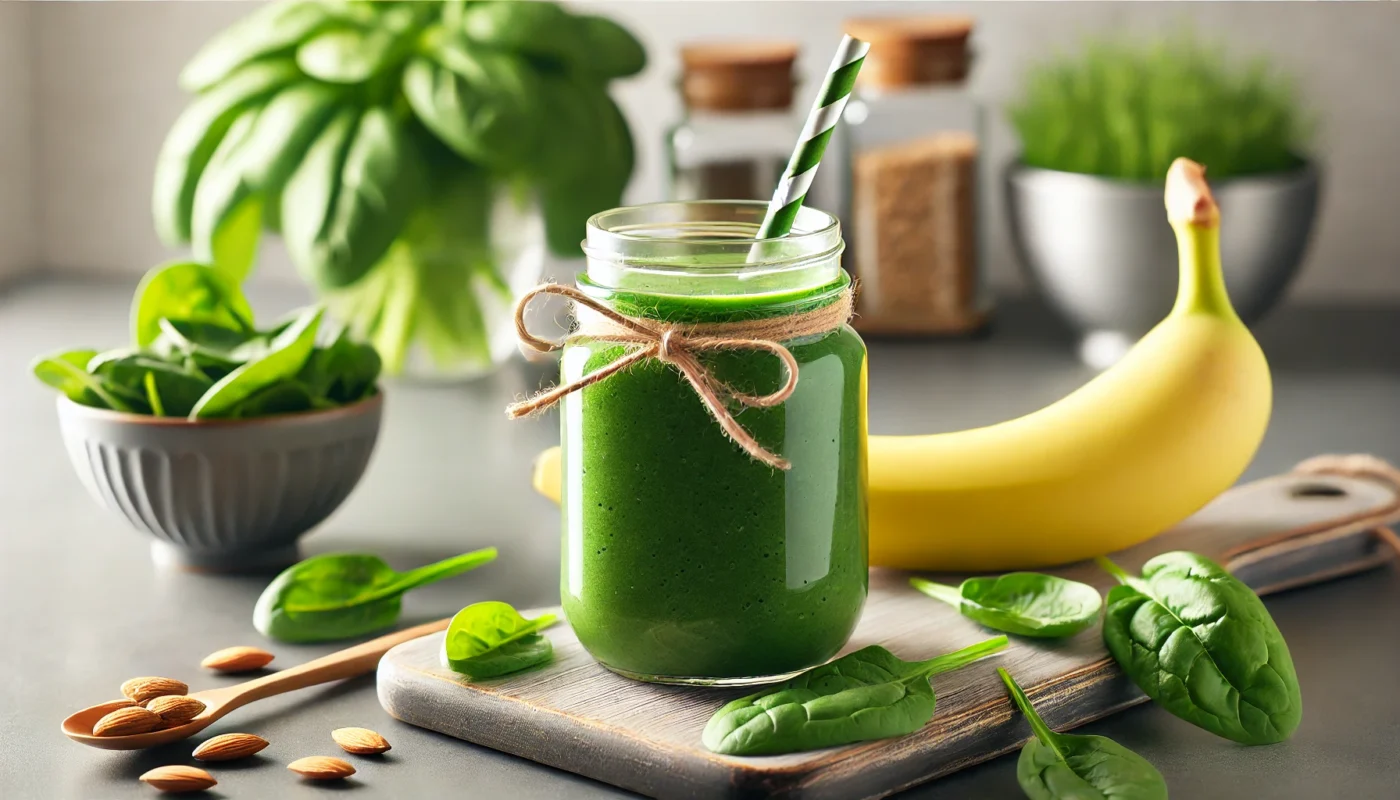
x,y
237,659
179,778
175,709
360,741
321,768
229,746
132,719
143,689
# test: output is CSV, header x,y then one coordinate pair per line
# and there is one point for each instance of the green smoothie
x,y
684,557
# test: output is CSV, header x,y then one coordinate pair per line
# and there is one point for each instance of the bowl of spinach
x,y
224,440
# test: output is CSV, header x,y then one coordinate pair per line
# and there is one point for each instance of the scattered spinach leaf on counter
x,y
1202,645
868,694
490,639
343,595
1059,766
1023,603
197,354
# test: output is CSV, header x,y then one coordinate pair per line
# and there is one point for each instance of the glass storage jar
x,y
685,560
909,139
738,129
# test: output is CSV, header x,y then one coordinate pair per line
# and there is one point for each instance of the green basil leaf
x,y
868,694
350,197
483,104
177,388
67,372
1203,646
196,134
1023,603
272,29
350,55
1059,766
188,292
485,629
285,356
249,168
343,595
613,52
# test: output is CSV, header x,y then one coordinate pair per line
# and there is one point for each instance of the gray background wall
x,y
88,102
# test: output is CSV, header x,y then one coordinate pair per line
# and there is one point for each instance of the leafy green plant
x,y
383,140
1125,109
1201,644
343,595
491,639
868,694
1023,603
1059,766
196,353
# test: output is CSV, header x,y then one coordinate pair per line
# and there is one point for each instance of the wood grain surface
x,y
1275,534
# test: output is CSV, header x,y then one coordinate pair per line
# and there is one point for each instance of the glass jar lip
x,y
596,223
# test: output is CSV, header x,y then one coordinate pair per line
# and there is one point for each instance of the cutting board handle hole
x,y
1310,490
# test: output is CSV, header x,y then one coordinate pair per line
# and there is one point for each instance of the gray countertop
x,y
84,608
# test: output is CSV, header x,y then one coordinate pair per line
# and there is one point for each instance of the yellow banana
x,y
1131,453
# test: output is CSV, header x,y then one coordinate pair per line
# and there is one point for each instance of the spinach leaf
x,y
343,595
197,133
67,372
207,343
351,54
188,292
286,355
272,29
231,198
1059,766
350,196
287,397
177,388
588,170
1201,644
1024,603
613,52
543,31
343,372
868,694
490,639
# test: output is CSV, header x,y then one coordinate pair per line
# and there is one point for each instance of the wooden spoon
x,y
349,663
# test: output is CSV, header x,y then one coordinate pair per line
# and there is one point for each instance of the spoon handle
x,y
348,663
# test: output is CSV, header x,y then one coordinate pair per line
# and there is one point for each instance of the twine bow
x,y
679,346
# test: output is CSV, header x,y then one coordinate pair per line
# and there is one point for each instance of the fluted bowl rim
x,y
366,406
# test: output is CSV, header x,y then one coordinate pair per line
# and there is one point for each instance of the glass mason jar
x,y
910,140
685,560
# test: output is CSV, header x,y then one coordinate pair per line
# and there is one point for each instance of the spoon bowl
x,y
348,663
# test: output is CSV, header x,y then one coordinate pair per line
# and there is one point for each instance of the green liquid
x,y
684,557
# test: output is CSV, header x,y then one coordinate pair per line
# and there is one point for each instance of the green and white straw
x,y
802,168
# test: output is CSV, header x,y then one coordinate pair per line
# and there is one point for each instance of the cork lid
x,y
736,76
910,51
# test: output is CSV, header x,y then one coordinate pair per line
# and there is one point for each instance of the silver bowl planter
x,y
222,495
1102,253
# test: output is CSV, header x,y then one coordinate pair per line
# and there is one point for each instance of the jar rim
x,y
668,212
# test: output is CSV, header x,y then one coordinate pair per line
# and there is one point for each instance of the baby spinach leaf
x,y
350,54
342,372
1059,766
287,397
272,29
541,30
286,355
67,372
197,133
1203,646
489,639
188,292
343,595
1024,603
176,387
350,196
868,694
246,169
613,52
207,343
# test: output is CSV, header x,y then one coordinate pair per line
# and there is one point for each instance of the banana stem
x,y
938,591
1194,215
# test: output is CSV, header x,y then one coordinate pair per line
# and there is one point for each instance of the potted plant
x,y
1098,131
416,158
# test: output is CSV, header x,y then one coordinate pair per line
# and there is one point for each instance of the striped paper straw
x,y
830,102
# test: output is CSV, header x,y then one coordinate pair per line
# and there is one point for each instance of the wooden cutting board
x,y
1322,521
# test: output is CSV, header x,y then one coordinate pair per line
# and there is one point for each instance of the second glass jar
x,y
684,559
